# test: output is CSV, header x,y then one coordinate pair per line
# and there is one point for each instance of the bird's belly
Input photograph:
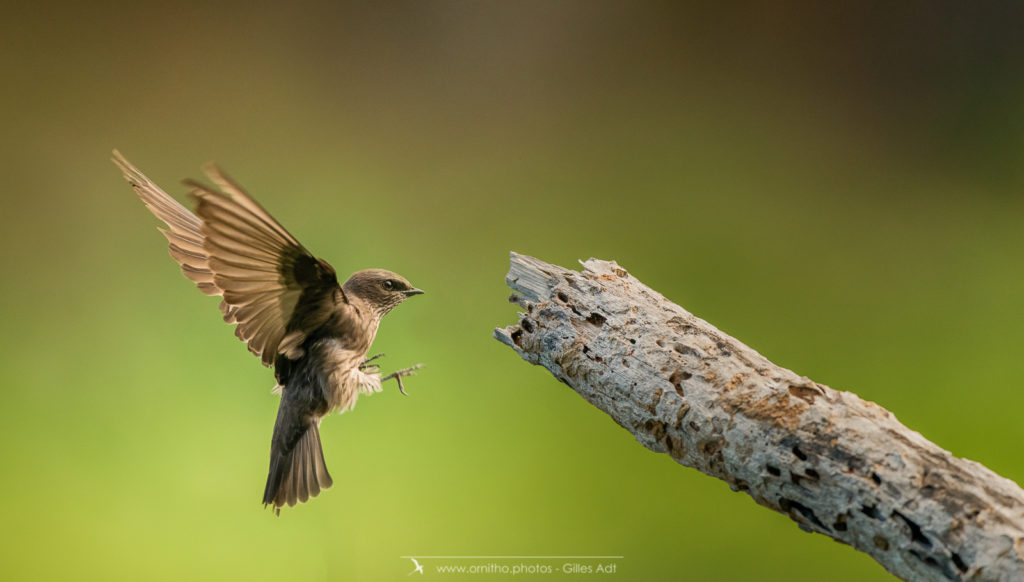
x,y
346,384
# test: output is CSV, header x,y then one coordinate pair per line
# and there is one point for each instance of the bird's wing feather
x,y
234,248
184,233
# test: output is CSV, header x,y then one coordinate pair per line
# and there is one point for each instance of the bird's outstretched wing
x,y
272,287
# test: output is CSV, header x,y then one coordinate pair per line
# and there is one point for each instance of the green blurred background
x,y
837,187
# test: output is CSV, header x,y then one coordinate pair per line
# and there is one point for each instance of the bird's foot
x,y
410,371
367,362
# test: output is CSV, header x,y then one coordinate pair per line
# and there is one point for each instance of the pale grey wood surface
x,y
834,463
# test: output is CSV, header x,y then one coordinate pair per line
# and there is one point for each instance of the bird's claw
x,y
366,363
401,374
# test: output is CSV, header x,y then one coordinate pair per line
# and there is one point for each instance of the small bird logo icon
x,y
419,567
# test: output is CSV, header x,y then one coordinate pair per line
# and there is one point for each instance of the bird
x,y
419,567
289,308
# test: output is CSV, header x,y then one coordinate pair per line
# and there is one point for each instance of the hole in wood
x,y
933,563
806,512
870,511
916,535
685,350
677,378
959,563
840,524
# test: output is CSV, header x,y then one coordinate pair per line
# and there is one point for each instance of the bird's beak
x,y
413,291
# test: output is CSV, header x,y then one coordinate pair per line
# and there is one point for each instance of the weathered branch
x,y
834,463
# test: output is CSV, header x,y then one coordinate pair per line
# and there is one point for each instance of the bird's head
x,y
382,290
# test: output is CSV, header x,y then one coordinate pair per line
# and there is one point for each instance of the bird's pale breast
x,y
345,380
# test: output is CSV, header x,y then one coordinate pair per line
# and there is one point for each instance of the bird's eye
x,y
388,284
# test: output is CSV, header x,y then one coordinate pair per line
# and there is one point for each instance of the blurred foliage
x,y
836,187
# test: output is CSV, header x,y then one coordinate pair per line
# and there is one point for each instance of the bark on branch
x,y
834,463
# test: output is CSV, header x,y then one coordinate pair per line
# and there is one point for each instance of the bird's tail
x,y
299,474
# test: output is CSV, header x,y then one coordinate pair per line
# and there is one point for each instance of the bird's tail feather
x,y
297,475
